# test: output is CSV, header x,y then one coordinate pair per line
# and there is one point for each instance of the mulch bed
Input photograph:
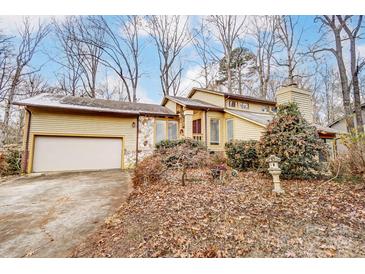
x,y
241,218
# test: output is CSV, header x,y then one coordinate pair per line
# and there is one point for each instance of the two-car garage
x,y
66,153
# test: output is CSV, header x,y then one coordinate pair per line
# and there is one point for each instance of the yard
x,y
240,218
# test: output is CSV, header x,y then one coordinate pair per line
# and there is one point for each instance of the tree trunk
x,y
356,87
344,83
8,105
183,176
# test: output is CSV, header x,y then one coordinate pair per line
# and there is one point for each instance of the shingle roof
x,y
93,105
193,103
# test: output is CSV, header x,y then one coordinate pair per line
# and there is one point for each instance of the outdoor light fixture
x,y
133,124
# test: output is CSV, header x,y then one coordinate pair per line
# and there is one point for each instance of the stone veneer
x,y
145,141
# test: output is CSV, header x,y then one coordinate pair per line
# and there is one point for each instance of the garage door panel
x,y
53,153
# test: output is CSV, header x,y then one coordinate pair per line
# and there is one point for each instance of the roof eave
x,y
245,118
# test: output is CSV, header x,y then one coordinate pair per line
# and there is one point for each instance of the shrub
x,y
10,160
351,165
185,155
148,171
242,155
291,138
188,142
180,155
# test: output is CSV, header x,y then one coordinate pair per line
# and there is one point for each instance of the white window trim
x,y
228,120
210,131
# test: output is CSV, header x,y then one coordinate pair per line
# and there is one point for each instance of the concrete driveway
x,y
48,215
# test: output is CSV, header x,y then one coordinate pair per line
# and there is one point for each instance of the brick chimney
x,y
303,98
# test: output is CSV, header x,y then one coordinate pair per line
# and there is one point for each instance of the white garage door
x,y
53,153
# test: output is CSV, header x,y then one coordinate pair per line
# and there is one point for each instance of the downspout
x,y
206,127
26,152
137,137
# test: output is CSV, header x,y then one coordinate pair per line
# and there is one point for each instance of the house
x,y
72,133
340,126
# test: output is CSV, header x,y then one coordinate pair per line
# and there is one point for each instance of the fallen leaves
x,y
241,218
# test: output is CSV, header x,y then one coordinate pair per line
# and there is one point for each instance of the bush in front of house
x,y
149,170
188,142
180,155
350,166
10,160
242,155
291,138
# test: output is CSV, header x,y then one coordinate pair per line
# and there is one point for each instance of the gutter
x,y
137,137
26,152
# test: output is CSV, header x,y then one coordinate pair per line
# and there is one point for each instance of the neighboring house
x,y
72,133
340,126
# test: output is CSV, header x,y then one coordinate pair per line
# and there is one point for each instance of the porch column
x,y
188,123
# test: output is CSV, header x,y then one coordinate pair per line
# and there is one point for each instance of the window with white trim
x,y
229,127
172,130
214,131
166,130
160,130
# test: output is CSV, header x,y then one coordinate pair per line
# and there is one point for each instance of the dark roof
x,y
191,103
343,117
56,101
235,96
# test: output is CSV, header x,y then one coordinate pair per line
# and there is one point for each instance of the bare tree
x,y
290,37
170,34
263,33
202,40
353,36
6,56
85,43
69,79
333,26
122,48
30,39
228,32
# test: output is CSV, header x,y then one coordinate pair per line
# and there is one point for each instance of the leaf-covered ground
x,y
241,218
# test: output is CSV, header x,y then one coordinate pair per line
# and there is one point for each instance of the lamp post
x,y
275,171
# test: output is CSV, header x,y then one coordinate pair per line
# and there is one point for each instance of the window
x,y
265,109
232,104
244,105
165,130
273,109
197,126
172,130
229,130
214,131
160,130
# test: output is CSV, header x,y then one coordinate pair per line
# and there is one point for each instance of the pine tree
x,y
290,137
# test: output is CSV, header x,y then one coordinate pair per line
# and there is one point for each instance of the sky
x,y
149,89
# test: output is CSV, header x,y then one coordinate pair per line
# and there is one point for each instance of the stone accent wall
x,y
145,142
145,136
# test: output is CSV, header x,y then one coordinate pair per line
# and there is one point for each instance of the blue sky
x,y
149,85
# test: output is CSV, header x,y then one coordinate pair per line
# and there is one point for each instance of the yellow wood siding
x,y
255,107
171,106
245,130
214,99
301,97
304,103
49,123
